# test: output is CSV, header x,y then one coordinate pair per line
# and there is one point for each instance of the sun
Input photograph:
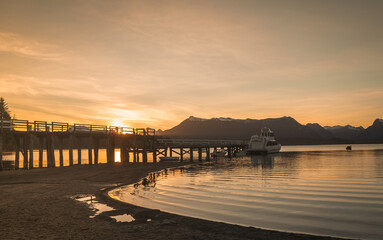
x,y
118,123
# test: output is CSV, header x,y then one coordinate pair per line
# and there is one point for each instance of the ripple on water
x,y
324,193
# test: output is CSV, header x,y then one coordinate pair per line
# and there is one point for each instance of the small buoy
x,y
348,148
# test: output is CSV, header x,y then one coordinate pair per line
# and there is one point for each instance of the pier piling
x,y
30,141
138,142
41,151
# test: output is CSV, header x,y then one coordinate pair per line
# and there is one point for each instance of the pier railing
x,y
16,125
196,142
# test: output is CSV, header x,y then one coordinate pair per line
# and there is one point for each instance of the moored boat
x,y
264,143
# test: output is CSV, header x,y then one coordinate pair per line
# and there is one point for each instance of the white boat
x,y
169,159
265,143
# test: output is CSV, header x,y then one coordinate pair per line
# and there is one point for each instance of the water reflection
x,y
95,205
327,193
99,208
124,218
265,161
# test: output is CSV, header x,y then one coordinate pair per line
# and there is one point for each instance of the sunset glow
x,y
155,63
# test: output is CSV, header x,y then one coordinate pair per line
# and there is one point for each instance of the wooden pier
x,y
182,147
134,144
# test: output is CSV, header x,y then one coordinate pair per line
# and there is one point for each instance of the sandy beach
x,y
39,204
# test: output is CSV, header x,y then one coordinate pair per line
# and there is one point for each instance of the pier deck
x,y
134,144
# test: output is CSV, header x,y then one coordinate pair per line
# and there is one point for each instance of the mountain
x,y
287,130
372,134
320,130
345,132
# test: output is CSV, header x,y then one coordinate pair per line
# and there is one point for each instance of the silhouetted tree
x,y
4,111
8,141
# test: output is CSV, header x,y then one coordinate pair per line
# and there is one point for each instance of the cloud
x,y
18,44
154,63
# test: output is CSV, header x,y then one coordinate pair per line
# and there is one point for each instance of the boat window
x,y
271,143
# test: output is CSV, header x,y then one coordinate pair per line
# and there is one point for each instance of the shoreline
x,y
39,204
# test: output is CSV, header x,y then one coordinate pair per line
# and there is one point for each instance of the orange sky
x,y
154,63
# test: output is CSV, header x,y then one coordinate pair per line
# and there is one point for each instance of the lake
x,y
322,190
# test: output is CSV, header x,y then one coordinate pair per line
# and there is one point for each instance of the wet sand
x,y
39,204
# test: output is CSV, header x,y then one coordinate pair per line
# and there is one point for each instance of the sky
x,y
153,63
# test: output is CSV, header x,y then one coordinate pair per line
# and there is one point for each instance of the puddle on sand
x,y
99,208
95,205
124,218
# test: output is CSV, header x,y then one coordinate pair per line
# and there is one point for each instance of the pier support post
x,y
200,154
170,152
155,155
110,150
123,157
71,150
79,160
138,155
25,151
154,149
90,155
191,155
96,146
144,156
207,154
41,151
61,143
229,152
144,152
17,153
50,151
181,154
30,140
49,155
128,152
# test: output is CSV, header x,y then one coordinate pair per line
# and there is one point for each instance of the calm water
x,y
321,192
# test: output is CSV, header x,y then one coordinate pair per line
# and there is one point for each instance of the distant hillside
x,y
372,134
345,132
287,130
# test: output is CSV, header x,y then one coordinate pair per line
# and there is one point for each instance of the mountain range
x,y
286,129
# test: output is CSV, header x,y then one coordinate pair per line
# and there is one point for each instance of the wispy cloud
x,y
154,63
22,45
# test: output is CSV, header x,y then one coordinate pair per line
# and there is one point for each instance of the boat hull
x,y
263,151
